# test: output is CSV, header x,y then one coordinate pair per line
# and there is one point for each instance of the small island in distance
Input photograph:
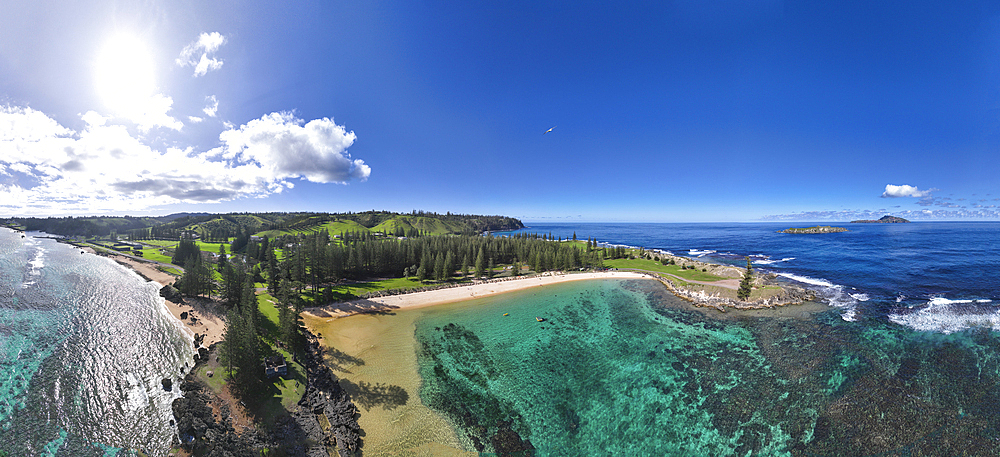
x,y
817,229
883,220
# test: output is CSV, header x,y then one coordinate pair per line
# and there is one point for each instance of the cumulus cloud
x,y
212,107
153,113
195,119
892,191
197,53
281,144
50,169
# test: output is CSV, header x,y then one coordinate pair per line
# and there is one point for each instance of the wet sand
x,y
375,357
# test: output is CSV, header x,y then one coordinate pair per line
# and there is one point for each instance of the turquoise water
x,y
84,343
624,368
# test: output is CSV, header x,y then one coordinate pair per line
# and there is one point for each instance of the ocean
x,y
903,360
927,276
84,344
899,358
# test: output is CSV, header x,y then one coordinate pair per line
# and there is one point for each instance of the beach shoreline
x,y
458,293
204,322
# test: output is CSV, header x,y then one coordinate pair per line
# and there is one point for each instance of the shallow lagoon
x,y
625,368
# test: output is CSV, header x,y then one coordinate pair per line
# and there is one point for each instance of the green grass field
x,y
160,243
650,265
155,255
169,270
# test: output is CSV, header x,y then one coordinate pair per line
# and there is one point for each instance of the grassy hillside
x,y
221,226
422,223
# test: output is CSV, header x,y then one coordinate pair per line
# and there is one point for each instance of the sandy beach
x,y
205,322
455,294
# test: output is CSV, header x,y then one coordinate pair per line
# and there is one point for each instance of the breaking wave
x,y
948,316
832,293
769,261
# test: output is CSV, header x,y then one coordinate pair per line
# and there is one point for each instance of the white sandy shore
x,y
454,294
207,323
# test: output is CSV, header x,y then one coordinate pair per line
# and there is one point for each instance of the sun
x,y
124,75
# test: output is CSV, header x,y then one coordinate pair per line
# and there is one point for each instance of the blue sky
x,y
663,111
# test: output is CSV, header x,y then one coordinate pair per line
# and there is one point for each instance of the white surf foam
x,y
700,253
810,281
860,297
767,261
834,294
947,316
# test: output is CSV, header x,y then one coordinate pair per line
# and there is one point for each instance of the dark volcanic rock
x,y
325,396
171,293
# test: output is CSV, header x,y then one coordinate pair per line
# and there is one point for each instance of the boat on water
x,y
506,314
540,319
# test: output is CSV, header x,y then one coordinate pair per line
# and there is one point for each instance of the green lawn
x,y
650,265
160,243
211,247
155,255
169,270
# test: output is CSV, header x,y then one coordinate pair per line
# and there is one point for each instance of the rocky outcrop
x,y
817,229
171,293
883,220
328,402
198,431
789,295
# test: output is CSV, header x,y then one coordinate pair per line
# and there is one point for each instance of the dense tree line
x,y
309,261
84,226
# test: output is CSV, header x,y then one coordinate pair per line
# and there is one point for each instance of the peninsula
x,y
883,220
816,229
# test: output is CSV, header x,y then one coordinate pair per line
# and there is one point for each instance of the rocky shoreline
x,y
325,419
789,295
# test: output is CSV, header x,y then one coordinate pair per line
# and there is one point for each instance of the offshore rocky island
x,y
883,220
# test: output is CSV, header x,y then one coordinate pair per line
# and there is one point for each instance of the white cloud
x,y
103,168
195,119
28,125
316,151
153,113
197,53
212,107
892,191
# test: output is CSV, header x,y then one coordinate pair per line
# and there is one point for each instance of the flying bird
x,y
549,130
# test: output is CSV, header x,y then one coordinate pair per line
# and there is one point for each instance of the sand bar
x,y
459,293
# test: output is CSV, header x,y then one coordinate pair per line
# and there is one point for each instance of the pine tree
x,y
746,285
480,264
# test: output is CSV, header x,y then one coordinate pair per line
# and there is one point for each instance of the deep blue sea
x,y
84,343
928,276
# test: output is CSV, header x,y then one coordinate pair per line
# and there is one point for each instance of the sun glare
x,y
124,75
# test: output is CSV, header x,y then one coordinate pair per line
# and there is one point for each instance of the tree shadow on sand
x,y
363,306
339,361
369,395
